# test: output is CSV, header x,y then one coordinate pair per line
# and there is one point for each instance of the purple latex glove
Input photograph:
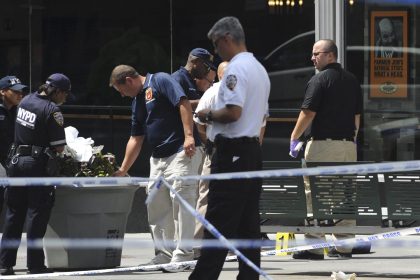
x,y
295,146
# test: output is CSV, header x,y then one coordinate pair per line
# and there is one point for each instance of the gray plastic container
x,y
87,212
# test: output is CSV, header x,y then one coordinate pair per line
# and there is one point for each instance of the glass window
x,y
381,51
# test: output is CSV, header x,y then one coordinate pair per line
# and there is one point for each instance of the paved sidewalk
x,y
386,263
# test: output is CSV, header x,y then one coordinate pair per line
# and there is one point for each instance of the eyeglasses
x,y
207,67
317,53
211,82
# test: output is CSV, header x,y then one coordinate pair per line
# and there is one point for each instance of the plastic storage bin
x,y
87,212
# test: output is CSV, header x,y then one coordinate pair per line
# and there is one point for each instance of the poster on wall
x,y
388,61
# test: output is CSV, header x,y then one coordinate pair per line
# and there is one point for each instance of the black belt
x,y
333,138
29,150
234,141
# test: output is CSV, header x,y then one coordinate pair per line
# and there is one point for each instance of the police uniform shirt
x,y
155,114
7,130
246,84
336,97
39,122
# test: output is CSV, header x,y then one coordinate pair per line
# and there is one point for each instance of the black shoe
x,y
7,271
40,270
362,248
307,255
333,253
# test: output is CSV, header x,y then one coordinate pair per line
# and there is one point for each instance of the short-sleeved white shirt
x,y
246,84
207,102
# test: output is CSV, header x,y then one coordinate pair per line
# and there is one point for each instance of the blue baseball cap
x,y
13,83
59,81
205,55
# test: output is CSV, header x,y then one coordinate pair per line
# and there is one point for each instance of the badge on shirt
x,y
149,94
231,81
58,117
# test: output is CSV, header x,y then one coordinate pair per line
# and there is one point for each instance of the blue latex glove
x,y
295,146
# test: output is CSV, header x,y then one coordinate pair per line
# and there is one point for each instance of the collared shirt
x,y
190,89
336,97
246,84
155,114
39,122
187,83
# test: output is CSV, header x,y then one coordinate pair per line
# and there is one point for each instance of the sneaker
x,y
160,258
307,255
40,270
174,267
7,271
333,253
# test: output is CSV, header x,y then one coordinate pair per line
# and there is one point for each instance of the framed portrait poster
x,y
388,67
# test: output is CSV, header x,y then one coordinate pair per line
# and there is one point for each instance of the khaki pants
x,y
203,189
329,151
170,223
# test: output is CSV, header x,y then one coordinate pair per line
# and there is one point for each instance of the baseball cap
x,y
205,55
59,81
12,82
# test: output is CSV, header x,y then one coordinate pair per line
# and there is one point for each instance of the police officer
x,y
11,91
39,132
238,114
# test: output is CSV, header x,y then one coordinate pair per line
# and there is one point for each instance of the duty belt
x,y
29,150
234,141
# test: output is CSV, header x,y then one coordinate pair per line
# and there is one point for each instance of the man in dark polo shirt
x,y
331,108
162,113
199,64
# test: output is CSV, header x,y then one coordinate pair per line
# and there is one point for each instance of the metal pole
x,y
30,42
171,30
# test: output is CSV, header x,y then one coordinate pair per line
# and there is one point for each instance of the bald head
x,y
221,69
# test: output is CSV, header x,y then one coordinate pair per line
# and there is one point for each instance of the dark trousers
x,y
233,208
33,202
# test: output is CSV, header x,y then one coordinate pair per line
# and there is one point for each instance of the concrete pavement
x,y
392,262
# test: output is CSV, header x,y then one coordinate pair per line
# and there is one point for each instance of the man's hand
x,y
295,146
202,115
119,173
189,146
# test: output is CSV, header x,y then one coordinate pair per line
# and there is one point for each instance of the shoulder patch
x,y
231,81
58,117
149,94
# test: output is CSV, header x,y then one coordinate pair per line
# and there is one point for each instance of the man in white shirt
x,y
240,109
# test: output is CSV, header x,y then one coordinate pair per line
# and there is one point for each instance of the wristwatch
x,y
209,117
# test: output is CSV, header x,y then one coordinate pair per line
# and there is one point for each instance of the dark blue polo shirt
x,y
156,115
190,89
39,122
187,83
